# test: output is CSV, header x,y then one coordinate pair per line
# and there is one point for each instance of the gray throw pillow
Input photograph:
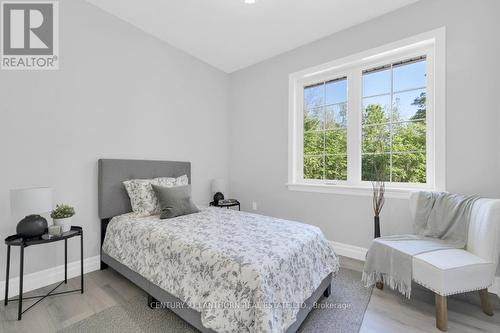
x,y
175,201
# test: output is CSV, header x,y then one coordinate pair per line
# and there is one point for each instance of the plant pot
x,y
64,223
376,222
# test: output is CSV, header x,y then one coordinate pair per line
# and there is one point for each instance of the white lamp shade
x,y
218,185
30,201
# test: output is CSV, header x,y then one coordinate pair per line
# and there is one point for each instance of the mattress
x,y
243,272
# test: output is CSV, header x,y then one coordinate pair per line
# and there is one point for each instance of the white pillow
x,y
179,181
142,196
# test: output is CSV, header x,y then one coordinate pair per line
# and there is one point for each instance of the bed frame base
x,y
328,291
157,296
152,302
104,227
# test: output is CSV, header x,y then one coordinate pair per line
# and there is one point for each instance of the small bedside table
x,y
16,240
232,204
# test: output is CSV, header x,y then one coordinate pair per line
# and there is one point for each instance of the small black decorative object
x,y
32,226
218,187
218,196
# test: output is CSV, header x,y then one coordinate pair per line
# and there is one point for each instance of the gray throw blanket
x,y
441,222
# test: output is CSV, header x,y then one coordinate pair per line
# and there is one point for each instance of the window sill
x,y
390,192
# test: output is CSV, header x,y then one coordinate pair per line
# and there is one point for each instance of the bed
x,y
220,270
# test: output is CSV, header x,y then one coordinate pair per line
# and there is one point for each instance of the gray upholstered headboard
x,y
113,198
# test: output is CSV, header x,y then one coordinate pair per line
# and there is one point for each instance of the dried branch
x,y
378,196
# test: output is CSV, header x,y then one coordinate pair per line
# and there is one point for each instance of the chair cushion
x,y
448,272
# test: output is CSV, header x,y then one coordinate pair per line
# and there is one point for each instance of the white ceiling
x,y
230,35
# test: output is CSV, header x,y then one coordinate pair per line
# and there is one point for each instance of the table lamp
x,y
29,202
218,186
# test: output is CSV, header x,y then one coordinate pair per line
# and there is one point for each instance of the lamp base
x,y
218,196
32,226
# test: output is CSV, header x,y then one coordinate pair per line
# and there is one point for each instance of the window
x,y
378,115
393,122
325,132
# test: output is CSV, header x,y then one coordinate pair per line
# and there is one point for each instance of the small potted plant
x,y
62,216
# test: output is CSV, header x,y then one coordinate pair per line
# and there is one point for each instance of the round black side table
x,y
16,240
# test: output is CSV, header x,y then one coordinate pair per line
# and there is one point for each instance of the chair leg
x,y
380,285
485,302
441,313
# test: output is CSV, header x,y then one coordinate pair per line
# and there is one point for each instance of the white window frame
x,y
432,45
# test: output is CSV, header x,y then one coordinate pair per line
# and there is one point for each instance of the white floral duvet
x,y
244,272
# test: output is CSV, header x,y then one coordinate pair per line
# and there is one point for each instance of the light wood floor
x,y
387,311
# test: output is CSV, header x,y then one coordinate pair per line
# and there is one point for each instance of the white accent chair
x,y
455,271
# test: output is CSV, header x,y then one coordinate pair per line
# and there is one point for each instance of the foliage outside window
x,y
393,122
325,132
393,142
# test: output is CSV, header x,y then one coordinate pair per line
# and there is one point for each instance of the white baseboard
x,y
349,251
49,276
359,253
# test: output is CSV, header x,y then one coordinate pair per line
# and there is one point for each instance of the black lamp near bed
x,y
218,186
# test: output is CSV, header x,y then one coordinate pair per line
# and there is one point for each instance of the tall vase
x,y
376,222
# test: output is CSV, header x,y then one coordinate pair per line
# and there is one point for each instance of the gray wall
x,y
259,118
119,93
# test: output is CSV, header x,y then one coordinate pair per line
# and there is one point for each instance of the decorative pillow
x,y
164,181
175,201
142,197
180,181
